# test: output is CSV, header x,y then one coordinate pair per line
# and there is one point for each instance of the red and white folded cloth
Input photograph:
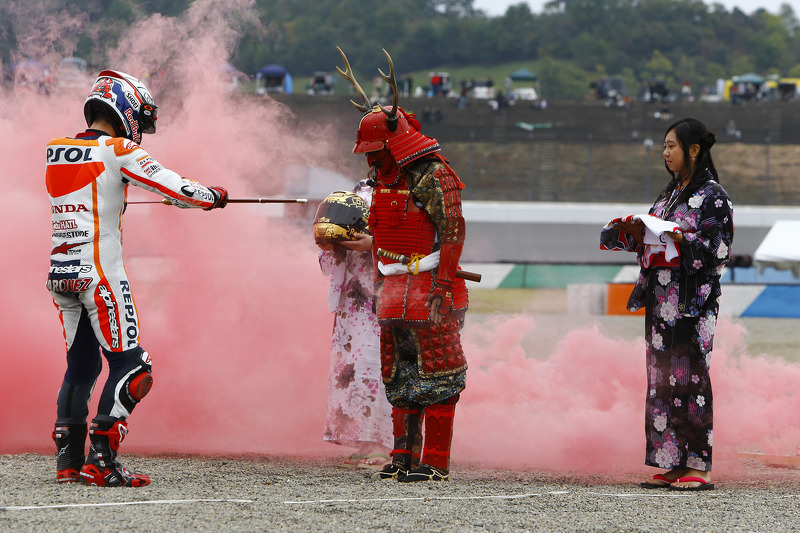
x,y
660,249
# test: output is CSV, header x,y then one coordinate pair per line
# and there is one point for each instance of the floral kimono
x,y
681,308
358,410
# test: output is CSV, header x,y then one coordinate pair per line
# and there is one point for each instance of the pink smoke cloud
x,y
233,305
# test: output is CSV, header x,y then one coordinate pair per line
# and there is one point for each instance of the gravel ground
x,y
260,493
192,493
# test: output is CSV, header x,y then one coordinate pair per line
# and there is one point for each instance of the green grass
x,y
512,301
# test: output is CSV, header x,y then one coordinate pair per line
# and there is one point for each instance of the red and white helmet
x,y
125,101
388,127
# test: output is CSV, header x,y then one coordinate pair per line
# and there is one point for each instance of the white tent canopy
x,y
780,249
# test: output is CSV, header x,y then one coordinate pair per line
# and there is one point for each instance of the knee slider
x,y
131,390
137,381
140,385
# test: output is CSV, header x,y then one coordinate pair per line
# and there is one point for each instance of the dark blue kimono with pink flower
x,y
681,309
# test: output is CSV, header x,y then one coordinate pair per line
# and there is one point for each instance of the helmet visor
x,y
339,216
148,115
362,147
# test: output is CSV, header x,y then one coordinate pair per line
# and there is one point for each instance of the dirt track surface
x,y
192,493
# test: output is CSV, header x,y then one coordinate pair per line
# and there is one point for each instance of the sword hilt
x,y
392,255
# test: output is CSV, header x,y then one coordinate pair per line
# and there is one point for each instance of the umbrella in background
x,y
523,74
749,78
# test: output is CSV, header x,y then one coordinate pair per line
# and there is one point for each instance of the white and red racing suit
x,y
87,180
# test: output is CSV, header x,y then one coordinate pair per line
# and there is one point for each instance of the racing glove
x,y
220,198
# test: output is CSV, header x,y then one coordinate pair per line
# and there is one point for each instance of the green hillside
x,y
568,44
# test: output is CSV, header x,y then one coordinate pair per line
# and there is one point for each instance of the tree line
x,y
569,42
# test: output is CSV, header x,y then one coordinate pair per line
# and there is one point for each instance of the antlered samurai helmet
x,y
387,127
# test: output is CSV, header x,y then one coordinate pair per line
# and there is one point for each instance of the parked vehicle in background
x,y
232,76
273,79
321,83
786,89
439,84
72,73
712,93
32,76
483,90
524,93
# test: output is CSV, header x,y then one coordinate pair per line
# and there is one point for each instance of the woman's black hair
x,y
689,131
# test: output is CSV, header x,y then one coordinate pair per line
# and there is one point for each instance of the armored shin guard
x,y
70,438
407,429
435,463
102,468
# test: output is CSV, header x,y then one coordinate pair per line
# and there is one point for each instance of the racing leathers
x,y
87,180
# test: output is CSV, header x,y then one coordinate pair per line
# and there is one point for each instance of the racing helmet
x,y
339,216
398,131
127,103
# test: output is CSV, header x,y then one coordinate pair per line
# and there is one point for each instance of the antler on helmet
x,y
391,120
391,129
349,76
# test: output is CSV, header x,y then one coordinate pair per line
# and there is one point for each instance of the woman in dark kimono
x,y
681,307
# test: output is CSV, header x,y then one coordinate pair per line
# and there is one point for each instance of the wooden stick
x,y
166,201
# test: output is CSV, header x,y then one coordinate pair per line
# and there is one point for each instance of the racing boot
x,y
70,438
102,468
435,462
407,429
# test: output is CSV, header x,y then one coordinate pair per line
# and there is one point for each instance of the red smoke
x,y
232,302
233,305
580,406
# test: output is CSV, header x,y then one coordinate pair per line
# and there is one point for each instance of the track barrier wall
x,y
604,289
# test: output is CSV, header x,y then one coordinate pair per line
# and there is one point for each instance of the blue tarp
x,y
274,73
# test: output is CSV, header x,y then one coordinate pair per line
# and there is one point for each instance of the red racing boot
x,y
70,438
102,468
